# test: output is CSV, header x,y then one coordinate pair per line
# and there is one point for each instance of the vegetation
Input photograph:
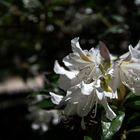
x,y
34,33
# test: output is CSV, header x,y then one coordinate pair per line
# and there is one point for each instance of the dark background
x,y
34,33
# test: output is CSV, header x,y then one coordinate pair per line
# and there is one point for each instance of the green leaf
x,y
118,18
115,29
129,96
35,93
52,77
87,138
109,128
133,102
5,3
136,129
45,104
133,117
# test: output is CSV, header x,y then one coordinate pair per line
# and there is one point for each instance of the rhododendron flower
x,y
82,65
127,70
86,80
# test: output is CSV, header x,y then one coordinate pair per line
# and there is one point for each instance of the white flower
x,y
127,70
82,65
85,80
82,98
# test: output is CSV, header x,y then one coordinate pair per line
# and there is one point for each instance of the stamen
x,y
85,57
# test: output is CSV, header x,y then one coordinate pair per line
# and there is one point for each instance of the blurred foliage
x,y
33,33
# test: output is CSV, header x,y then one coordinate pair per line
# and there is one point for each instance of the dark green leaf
x,y
136,129
129,96
35,93
45,104
87,138
118,18
5,3
133,117
133,102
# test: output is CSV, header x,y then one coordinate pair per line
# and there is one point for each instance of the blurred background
x,y
34,33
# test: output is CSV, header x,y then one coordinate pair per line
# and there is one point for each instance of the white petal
x,y
110,71
86,104
65,83
99,94
135,54
113,57
77,49
86,89
109,112
74,94
130,76
60,70
74,61
56,99
97,56
116,79
111,95
77,103
125,55
67,78
88,73
138,46
92,52
98,83
76,46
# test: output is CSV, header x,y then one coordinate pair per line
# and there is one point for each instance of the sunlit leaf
x,y
110,128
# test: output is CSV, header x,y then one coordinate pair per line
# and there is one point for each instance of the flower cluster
x,y
92,77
